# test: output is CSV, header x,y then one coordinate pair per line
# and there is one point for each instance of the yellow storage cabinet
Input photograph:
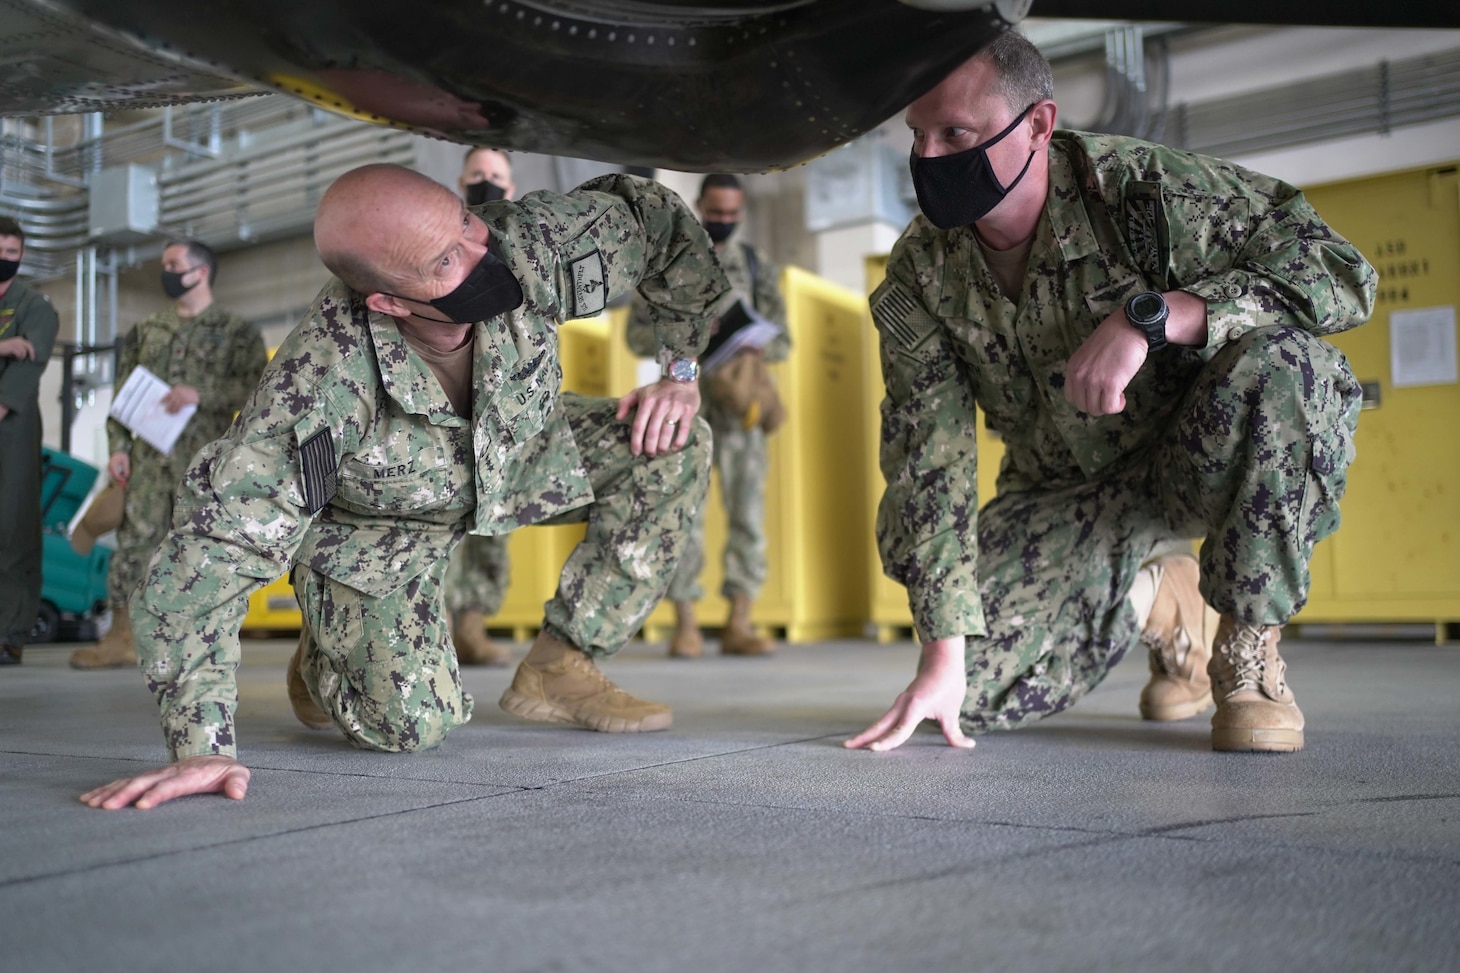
x,y
815,490
1396,557
888,611
537,553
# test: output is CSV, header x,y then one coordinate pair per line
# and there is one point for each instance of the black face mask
x,y
172,284
484,192
959,189
489,290
719,232
8,269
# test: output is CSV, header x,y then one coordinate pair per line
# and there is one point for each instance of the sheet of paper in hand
x,y
740,327
138,406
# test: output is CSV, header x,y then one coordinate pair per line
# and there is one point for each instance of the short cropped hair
x,y
1024,74
473,150
719,180
8,227
199,253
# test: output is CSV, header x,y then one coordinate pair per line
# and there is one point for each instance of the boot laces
x,y
1246,651
1168,648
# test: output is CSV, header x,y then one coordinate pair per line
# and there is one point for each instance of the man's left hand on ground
x,y
663,413
214,774
936,693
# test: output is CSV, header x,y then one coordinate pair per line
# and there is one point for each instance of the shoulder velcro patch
x,y
318,466
902,318
589,280
1146,231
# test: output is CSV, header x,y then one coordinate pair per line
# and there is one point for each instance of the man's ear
x,y
1042,119
385,304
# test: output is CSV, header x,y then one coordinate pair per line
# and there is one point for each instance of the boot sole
x,y
541,711
1183,711
1257,740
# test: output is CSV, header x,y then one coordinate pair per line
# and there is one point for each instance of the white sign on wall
x,y
1422,347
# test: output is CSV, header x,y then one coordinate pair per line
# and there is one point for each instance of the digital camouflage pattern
x,y
739,453
395,478
25,313
1244,443
219,354
478,576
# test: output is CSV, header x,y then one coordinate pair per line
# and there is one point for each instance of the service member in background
x,y
418,399
476,581
212,358
1144,327
740,423
27,333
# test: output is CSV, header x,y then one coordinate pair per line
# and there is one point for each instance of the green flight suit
x,y
24,313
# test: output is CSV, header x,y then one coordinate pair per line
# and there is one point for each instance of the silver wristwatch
x,y
681,369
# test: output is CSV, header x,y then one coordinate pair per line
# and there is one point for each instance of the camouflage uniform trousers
x,y
146,518
384,669
1254,463
479,575
740,459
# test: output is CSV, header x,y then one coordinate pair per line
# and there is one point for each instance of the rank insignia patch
x,y
590,284
1146,232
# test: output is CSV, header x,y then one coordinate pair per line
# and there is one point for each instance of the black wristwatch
x,y
1147,313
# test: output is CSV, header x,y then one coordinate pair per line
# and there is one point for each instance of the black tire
x,y
47,624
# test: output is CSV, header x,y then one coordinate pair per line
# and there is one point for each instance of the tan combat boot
x,y
306,710
1255,708
739,638
558,683
115,650
687,642
473,646
1178,639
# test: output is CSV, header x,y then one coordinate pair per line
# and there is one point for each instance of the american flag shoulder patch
x,y
317,463
899,316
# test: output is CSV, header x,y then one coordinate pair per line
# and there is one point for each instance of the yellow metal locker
x,y
815,588
1396,557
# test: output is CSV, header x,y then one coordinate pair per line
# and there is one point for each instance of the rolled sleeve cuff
x,y
202,730
947,610
1232,308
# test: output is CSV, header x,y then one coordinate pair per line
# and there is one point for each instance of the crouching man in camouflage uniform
x,y
420,398
1144,327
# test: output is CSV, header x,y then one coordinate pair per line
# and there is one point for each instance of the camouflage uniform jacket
x,y
218,353
350,459
1121,216
763,293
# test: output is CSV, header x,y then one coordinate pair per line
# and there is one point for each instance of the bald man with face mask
x,y
419,399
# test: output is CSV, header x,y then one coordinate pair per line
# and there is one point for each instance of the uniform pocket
x,y
408,479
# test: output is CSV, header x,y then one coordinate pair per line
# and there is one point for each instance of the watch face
x,y
1145,309
684,370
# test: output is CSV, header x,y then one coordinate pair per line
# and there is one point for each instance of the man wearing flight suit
x,y
420,398
740,449
1145,328
27,333
211,357
476,581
